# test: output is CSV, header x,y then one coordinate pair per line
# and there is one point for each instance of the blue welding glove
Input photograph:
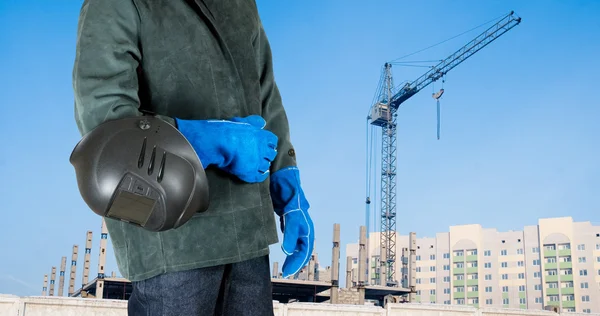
x,y
239,146
297,226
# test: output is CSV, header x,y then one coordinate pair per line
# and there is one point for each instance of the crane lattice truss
x,y
383,114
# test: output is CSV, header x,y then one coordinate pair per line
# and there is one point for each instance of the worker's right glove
x,y
239,146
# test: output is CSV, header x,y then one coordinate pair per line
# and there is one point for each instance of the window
x,y
474,301
459,253
459,265
570,297
431,280
537,274
446,279
582,259
505,289
446,255
521,288
535,249
503,252
597,245
520,264
488,277
472,252
474,288
418,269
584,285
551,272
537,287
585,298
583,272
567,284
504,264
505,301
564,246
587,310
536,262
432,292
551,260
418,281
520,251
446,291
505,276
419,258
488,289
447,302
459,277
431,257
472,276
446,267
539,300
488,301
565,259
472,264
521,275
553,298
581,247
550,247
460,301
488,253
459,289
487,265
553,285
432,268
419,292
522,301
597,259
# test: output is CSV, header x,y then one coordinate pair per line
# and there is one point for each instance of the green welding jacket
x,y
191,59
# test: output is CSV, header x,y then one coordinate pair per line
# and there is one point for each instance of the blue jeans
x,y
238,289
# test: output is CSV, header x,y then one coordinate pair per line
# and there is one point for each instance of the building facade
x,y
555,263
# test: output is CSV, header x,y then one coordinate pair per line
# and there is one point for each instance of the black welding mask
x,y
140,170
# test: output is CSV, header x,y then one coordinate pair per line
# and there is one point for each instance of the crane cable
x,y
451,38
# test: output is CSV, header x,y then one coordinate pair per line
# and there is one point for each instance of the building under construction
x,y
312,284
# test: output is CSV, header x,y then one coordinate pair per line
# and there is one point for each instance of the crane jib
x,y
468,50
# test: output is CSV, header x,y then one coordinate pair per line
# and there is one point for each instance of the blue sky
x,y
519,123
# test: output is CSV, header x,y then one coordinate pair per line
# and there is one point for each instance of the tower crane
x,y
383,114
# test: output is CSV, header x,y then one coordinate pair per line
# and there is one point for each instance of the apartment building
x,y
554,263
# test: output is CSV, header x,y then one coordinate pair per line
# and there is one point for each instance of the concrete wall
x,y
64,306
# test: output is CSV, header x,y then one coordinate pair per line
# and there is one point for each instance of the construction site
x,y
380,274
312,284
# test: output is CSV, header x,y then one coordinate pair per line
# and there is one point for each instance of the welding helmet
x,y
140,170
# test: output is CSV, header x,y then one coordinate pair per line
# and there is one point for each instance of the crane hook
x,y
437,97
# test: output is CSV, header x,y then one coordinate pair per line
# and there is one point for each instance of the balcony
x,y
457,283
566,277
549,253
472,270
564,253
459,294
458,259
472,282
568,304
552,291
458,271
473,294
567,290
471,258
566,265
552,278
550,266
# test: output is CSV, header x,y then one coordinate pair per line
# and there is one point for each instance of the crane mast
x,y
383,114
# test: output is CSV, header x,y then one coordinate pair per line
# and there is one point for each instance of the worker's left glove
x,y
297,226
